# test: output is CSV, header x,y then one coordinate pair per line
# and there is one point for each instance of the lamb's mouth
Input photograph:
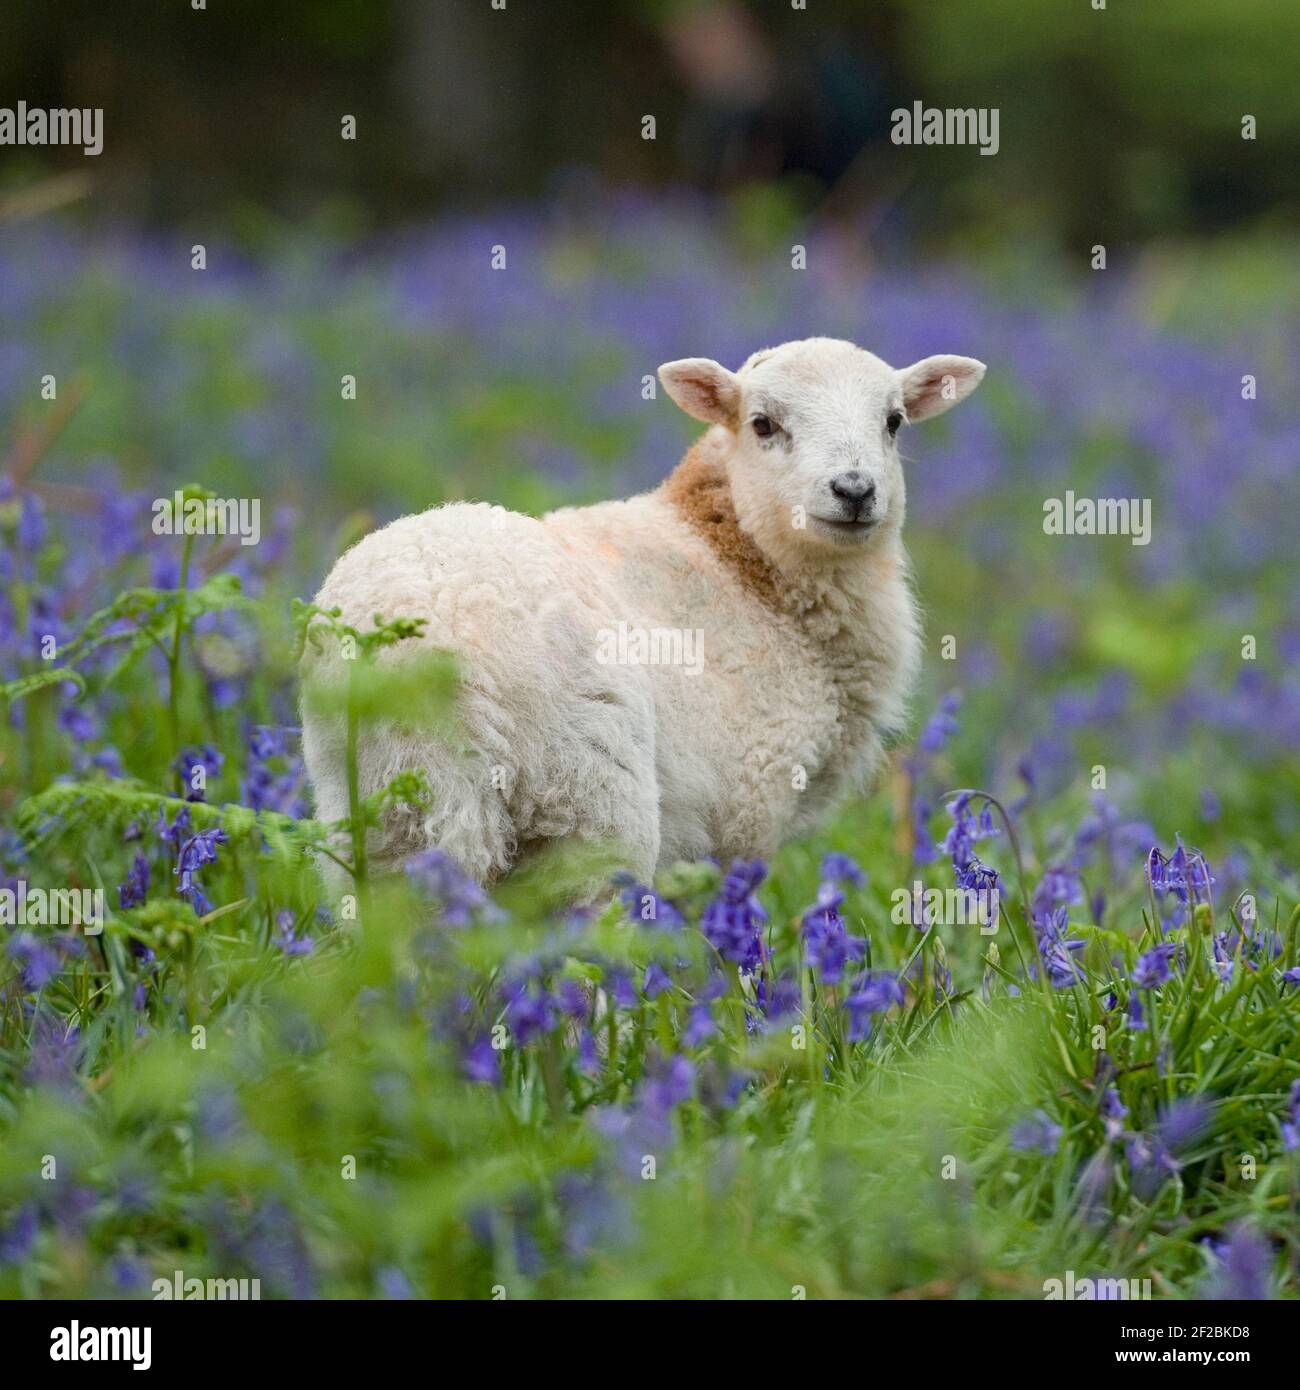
x,y
846,530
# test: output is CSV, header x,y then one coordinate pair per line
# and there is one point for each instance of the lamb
x,y
704,669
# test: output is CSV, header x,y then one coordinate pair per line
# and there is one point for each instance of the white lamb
x,y
704,669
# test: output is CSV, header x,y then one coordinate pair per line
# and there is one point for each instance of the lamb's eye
x,y
893,420
763,427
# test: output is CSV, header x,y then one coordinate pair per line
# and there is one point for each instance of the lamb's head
x,y
813,455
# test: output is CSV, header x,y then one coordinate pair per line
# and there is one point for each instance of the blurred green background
x,y
1118,124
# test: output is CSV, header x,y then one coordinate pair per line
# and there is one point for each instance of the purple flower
x,y
621,989
1241,1267
481,1062
875,992
840,868
657,980
1036,1133
131,892
1060,885
55,1055
287,941
967,828
1114,1113
436,874
829,946
1103,829
645,905
19,1235
779,997
1223,958
40,961
1291,1125
1153,1158
178,831
1152,967
733,922
942,724
572,1000
198,766
394,1285
264,787
1150,1164
530,1011
588,1057
668,1082
1184,874
1137,1019
700,1026
1055,949
197,851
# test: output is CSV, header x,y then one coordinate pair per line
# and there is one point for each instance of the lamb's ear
x,y
703,388
936,384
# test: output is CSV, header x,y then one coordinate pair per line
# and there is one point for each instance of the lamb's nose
x,y
854,491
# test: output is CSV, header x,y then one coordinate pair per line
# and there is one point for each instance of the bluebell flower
x,y
1056,950
40,961
588,1056
481,1061
733,922
265,787
461,898
829,946
644,905
572,1000
840,868
1137,1019
530,1011
394,1285
131,892
1153,966
18,1236
668,1081
1241,1267
779,997
1036,1133
873,994
967,828
700,1026
1291,1125
1153,1158
621,990
197,851
1185,875
287,941
1114,1113
942,724
206,758
1059,886
657,981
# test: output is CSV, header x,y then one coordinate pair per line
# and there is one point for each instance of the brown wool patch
x,y
698,488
